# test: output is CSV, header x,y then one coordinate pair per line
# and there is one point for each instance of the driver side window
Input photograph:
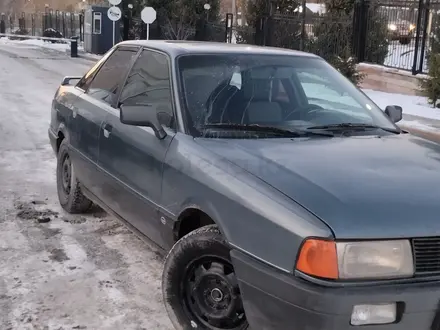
x,y
107,81
149,85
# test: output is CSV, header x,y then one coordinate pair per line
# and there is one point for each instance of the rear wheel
x,y
199,285
69,193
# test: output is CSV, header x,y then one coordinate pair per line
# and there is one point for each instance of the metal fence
x,y
69,24
394,33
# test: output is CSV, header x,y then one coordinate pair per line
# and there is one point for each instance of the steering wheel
x,y
308,109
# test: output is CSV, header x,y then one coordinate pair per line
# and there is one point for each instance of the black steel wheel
x,y
69,193
66,174
199,284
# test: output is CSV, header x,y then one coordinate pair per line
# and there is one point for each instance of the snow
x,y
412,105
418,125
316,8
38,43
73,272
402,56
390,69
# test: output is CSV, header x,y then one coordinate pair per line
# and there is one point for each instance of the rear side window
x,y
110,76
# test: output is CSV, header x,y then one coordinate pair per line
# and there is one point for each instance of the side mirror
x,y
142,115
394,112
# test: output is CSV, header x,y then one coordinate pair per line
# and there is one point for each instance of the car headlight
x,y
412,27
356,260
392,27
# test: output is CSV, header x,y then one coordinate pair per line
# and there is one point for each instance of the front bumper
x,y
395,35
274,300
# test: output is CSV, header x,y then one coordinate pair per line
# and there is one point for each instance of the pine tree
x,y
334,37
435,34
347,65
285,27
431,86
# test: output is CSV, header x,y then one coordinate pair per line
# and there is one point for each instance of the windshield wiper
x,y
265,129
354,126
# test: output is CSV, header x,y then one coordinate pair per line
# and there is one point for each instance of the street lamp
x,y
207,7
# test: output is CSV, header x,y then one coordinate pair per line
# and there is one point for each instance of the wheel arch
x,y
193,217
62,134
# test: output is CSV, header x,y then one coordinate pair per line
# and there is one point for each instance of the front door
x,y
131,156
91,108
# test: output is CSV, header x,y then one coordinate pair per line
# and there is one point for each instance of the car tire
x,y
405,40
69,193
199,276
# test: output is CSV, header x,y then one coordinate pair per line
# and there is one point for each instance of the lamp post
x,y
207,7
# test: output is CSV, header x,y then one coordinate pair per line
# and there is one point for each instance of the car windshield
x,y
283,91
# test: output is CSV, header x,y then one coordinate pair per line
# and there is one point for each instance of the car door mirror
x,y
394,112
142,115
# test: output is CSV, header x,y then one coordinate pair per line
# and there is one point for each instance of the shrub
x,y
285,29
431,86
347,65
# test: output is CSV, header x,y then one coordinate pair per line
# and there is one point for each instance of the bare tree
x,y
181,23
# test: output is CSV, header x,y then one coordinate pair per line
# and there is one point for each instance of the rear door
x,y
91,108
133,156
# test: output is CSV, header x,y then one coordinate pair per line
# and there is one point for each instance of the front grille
x,y
427,256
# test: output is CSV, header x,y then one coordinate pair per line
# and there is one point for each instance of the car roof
x,y
183,47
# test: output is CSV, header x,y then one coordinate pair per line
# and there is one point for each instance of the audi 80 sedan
x,y
284,197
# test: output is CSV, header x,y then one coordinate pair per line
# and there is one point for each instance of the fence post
x,y
228,27
63,15
81,26
417,44
11,24
360,21
303,25
33,24
51,18
57,21
201,29
268,24
2,24
45,21
425,33
259,31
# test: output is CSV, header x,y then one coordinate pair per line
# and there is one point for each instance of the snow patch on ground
x,y
412,105
38,43
60,271
416,124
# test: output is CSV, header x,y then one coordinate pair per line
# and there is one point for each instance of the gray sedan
x,y
283,196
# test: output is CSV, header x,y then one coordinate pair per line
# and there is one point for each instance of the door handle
x,y
107,130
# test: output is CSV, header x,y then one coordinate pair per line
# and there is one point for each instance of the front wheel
x,y
199,285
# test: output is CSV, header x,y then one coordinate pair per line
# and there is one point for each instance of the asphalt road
x,y
58,271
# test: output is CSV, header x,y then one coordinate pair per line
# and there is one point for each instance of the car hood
x,y
361,187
